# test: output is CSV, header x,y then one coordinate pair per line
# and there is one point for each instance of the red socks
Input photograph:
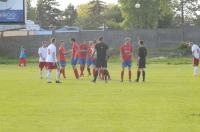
x,y
76,73
122,75
129,75
94,71
82,67
62,72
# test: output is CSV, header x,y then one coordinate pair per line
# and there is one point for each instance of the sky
x,y
64,3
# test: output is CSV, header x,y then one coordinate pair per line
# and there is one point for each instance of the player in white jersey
x,y
42,52
196,55
51,61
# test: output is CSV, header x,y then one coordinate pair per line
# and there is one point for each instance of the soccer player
x,y
74,56
101,50
126,51
22,57
42,52
90,57
82,55
51,61
142,53
196,55
62,58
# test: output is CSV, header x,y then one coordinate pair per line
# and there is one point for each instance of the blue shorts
x,y
63,64
81,61
90,62
127,64
73,61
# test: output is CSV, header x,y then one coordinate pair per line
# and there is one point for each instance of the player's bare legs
x,y
105,74
75,71
96,74
82,68
58,75
89,71
129,74
139,73
49,76
122,74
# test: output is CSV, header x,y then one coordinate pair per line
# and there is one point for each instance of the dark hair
x,y
53,40
141,42
61,41
100,38
73,39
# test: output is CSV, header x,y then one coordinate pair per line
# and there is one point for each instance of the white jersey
x,y
51,53
42,52
196,51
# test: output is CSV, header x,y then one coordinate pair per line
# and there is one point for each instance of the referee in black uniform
x,y
101,51
142,53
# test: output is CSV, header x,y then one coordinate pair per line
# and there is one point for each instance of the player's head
x,y
53,41
101,39
73,40
189,44
91,43
87,41
62,43
141,43
127,40
44,43
95,41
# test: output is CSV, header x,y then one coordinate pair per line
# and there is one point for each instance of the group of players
x,y
90,53
96,54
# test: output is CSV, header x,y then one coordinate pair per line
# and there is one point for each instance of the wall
x,y
153,38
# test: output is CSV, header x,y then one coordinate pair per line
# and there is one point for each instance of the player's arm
x,y
54,56
77,51
139,54
40,54
68,52
94,55
121,52
107,53
145,52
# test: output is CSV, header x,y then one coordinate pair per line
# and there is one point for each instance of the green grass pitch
x,y
168,102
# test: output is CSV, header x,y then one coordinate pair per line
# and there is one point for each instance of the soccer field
x,y
168,102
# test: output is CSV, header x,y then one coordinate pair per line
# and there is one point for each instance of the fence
x,y
153,38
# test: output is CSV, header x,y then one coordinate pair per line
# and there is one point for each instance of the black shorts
x,y
101,63
142,63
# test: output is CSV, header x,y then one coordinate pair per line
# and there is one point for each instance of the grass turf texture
x,y
167,102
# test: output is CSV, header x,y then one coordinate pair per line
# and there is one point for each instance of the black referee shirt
x,y
101,49
142,52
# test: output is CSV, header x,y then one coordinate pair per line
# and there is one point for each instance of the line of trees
x,y
124,15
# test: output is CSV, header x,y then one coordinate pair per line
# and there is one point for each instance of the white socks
x,y
41,73
47,72
195,71
49,76
57,75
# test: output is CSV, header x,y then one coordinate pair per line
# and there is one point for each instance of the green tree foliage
x,y
48,13
147,16
31,11
110,15
113,16
166,14
186,10
70,15
91,15
96,7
